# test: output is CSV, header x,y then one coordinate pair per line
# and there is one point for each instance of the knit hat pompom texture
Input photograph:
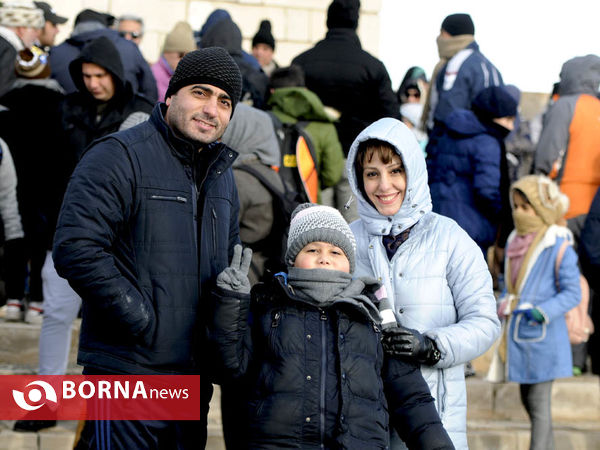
x,y
343,14
21,13
457,24
544,196
211,65
264,35
318,223
180,39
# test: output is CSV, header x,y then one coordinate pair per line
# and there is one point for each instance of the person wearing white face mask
x,y
434,273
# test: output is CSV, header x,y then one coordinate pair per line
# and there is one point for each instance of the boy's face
x,y
322,255
521,204
385,184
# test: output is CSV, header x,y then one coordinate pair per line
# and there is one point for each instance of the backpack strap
x,y
559,257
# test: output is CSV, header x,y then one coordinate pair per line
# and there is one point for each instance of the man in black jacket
x,y
149,219
347,78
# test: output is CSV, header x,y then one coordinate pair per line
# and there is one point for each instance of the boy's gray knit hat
x,y
311,223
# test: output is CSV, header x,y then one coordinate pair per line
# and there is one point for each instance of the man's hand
x,y
235,277
407,343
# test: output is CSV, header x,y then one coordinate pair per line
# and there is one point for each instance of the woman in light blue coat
x,y
431,268
542,281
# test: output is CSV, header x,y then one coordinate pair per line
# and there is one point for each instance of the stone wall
x,y
297,24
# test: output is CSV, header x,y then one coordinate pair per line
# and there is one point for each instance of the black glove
x,y
407,343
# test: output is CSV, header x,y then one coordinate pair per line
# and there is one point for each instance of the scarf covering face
x,y
447,48
324,288
527,223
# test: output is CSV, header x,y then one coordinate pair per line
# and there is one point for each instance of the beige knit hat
x,y
544,196
21,13
180,39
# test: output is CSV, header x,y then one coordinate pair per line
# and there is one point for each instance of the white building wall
x,y
296,24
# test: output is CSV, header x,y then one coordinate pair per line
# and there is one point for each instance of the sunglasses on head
x,y
133,34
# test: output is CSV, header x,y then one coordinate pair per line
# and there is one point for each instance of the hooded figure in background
x,y
226,34
568,150
468,174
90,25
98,108
433,272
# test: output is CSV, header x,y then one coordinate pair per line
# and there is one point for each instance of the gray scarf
x,y
324,288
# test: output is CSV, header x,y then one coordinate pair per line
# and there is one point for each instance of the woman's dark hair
x,y
366,151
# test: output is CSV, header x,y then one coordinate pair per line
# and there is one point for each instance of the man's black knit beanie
x,y
264,35
457,24
211,65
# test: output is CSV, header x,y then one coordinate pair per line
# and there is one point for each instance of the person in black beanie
x,y
468,174
263,47
350,80
149,219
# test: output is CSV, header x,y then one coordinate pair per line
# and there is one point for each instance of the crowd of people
x,y
439,226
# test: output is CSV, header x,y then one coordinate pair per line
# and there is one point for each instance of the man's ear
x,y
168,100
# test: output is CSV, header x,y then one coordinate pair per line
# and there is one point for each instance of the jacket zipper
x,y
177,198
214,227
323,375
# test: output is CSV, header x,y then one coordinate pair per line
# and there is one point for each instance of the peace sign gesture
x,y
235,277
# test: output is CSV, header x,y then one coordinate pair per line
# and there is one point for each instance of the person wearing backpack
x,y
535,345
292,103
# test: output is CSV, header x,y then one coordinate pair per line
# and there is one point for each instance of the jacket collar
x,y
184,150
343,34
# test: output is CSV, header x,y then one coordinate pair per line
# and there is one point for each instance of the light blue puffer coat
x,y
438,278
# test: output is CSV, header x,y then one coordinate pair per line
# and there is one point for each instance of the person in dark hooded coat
x,y
468,174
226,34
86,115
90,25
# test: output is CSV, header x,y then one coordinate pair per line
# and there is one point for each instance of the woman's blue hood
x,y
417,200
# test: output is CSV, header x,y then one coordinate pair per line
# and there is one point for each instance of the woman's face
x,y
521,204
385,184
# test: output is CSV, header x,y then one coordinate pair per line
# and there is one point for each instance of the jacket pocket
x,y
526,331
172,198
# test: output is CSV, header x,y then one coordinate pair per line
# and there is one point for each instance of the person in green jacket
x,y
291,102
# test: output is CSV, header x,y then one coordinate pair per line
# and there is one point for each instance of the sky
x,y
527,40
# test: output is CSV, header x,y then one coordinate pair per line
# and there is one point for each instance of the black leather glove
x,y
407,343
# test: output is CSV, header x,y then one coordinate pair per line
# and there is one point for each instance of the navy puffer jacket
x,y
318,377
464,175
140,243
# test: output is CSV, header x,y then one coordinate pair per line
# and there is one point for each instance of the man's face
x,y
199,113
48,34
131,30
263,53
28,35
98,81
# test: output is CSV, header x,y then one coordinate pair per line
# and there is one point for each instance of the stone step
x,y
514,435
19,344
573,399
